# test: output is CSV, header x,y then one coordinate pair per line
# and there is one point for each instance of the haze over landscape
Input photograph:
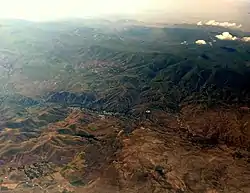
x,y
125,96
162,10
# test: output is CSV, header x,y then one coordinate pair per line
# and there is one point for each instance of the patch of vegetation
x,y
74,170
73,126
64,131
77,183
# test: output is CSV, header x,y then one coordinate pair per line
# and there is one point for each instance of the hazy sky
x,y
55,9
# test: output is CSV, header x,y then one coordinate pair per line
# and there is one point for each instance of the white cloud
x,y
199,23
226,36
246,39
222,24
184,43
201,42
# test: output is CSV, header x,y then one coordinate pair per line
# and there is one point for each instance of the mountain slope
x,y
100,106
